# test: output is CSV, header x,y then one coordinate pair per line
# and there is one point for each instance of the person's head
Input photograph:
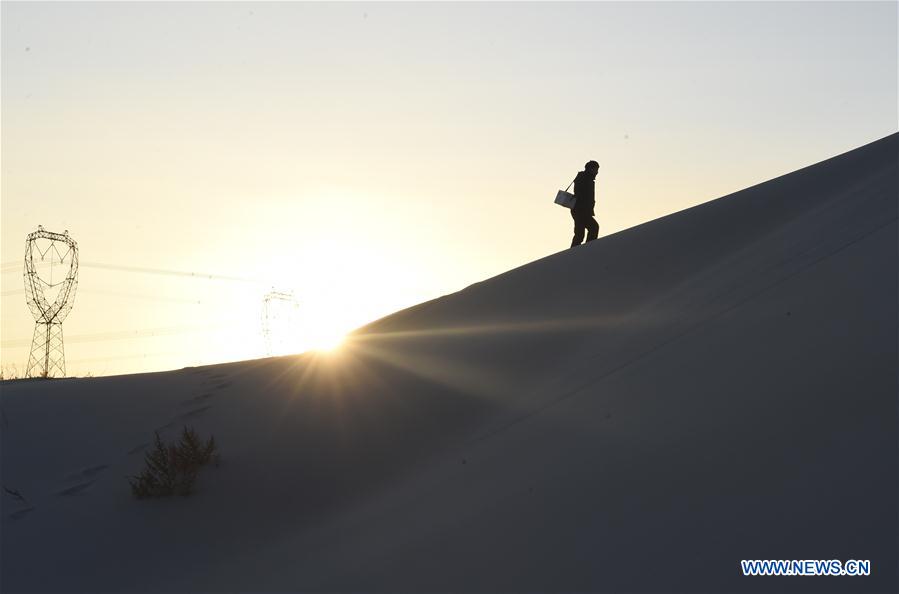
x,y
592,167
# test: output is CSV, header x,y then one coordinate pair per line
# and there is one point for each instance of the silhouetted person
x,y
582,213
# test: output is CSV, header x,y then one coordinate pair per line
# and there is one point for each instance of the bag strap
x,y
569,185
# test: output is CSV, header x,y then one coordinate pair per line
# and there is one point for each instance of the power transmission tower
x,y
47,357
280,321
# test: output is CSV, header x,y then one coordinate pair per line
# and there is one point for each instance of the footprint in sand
x,y
138,448
195,412
75,489
94,470
85,476
221,385
20,513
197,399
88,472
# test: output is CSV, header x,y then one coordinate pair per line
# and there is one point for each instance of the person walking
x,y
582,212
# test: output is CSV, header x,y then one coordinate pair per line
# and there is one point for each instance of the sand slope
x,y
639,413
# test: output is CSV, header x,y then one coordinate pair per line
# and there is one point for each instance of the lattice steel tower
x,y
47,356
280,317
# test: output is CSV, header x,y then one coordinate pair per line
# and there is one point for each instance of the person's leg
x,y
592,228
579,229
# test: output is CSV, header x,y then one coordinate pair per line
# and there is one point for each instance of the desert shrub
x,y
173,468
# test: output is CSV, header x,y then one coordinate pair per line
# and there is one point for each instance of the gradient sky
x,y
370,156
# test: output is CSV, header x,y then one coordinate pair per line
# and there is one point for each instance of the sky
x,y
370,156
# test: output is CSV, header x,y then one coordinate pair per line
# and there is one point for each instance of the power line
x,y
10,267
122,357
181,273
123,334
14,292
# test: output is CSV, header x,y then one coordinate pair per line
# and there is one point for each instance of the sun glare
x,y
338,286
322,333
328,343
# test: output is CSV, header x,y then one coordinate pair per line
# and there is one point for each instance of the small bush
x,y
173,468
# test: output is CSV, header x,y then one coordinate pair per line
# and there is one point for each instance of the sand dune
x,y
639,413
